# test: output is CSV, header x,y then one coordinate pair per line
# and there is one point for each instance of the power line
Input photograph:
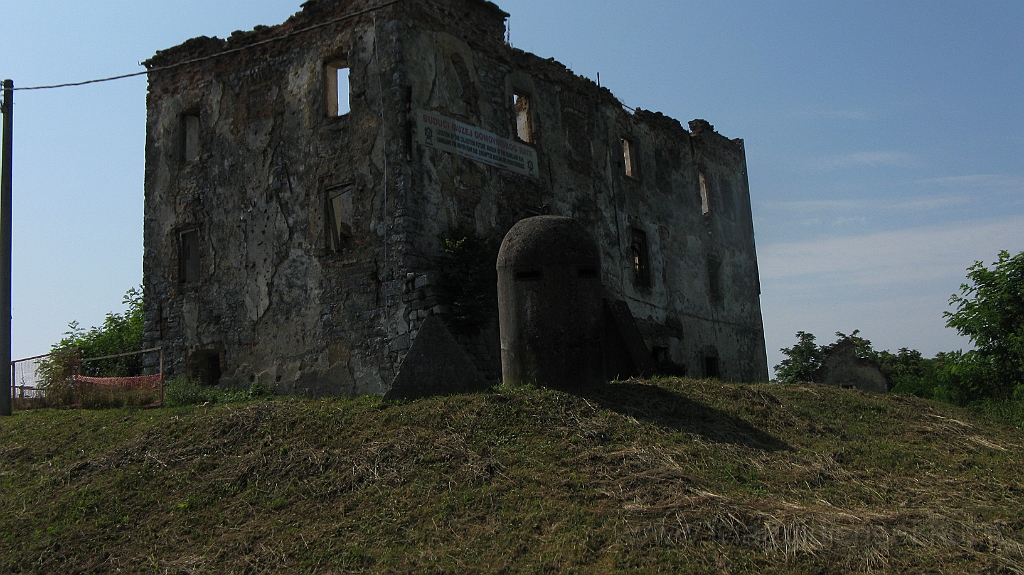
x,y
219,54
111,79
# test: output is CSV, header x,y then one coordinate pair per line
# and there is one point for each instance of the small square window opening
x,y
338,90
629,161
524,126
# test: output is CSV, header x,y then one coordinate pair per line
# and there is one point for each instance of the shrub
x,y
990,312
469,278
182,391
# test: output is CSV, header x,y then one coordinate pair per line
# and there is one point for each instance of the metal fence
x,y
26,381
56,380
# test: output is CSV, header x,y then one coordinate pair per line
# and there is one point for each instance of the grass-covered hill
x,y
671,476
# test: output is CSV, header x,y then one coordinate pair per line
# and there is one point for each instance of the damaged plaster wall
x,y
276,302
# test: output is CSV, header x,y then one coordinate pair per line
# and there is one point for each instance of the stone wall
x,y
276,301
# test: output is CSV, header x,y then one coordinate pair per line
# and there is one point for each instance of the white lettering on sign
x,y
441,133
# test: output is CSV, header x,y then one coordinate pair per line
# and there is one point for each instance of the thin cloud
x,y
914,204
835,114
902,257
818,205
862,159
928,204
976,181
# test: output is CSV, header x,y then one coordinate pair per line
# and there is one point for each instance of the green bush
x,y
182,391
470,278
118,334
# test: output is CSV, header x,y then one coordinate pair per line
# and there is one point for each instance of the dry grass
x,y
673,476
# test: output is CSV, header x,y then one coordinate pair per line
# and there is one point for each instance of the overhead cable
x,y
219,54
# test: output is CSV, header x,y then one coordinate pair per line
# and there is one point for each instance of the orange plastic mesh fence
x,y
30,390
135,382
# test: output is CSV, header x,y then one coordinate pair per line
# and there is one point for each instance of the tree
x,y
806,357
990,312
803,359
118,334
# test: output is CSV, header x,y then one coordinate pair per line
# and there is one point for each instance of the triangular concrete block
x,y
617,313
435,365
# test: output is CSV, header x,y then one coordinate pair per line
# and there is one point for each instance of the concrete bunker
x,y
550,304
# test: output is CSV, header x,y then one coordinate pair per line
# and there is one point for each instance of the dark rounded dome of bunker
x,y
547,240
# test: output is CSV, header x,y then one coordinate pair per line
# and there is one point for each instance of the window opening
x,y
628,158
725,193
339,217
524,127
190,139
338,89
705,204
641,259
188,256
715,279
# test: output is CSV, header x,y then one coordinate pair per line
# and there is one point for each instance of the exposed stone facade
x,y
288,244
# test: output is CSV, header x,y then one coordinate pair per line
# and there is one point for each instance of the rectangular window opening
x,y
340,218
715,279
524,127
190,138
641,259
188,256
628,158
705,204
338,90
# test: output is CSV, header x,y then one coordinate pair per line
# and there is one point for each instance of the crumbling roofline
x,y
164,59
204,48
556,72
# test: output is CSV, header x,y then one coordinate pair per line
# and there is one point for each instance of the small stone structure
x,y
550,304
842,368
301,181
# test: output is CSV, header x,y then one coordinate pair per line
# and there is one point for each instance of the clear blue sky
x,y
884,141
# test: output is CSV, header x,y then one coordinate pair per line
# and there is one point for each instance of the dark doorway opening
x,y
711,367
205,367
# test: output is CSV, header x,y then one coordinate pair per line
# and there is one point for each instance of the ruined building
x,y
311,186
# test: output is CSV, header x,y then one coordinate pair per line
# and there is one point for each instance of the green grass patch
x,y
677,476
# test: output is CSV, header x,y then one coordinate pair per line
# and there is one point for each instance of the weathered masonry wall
x,y
274,302
302,249
578,130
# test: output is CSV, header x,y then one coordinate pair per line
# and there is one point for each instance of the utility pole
x,y
5,249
